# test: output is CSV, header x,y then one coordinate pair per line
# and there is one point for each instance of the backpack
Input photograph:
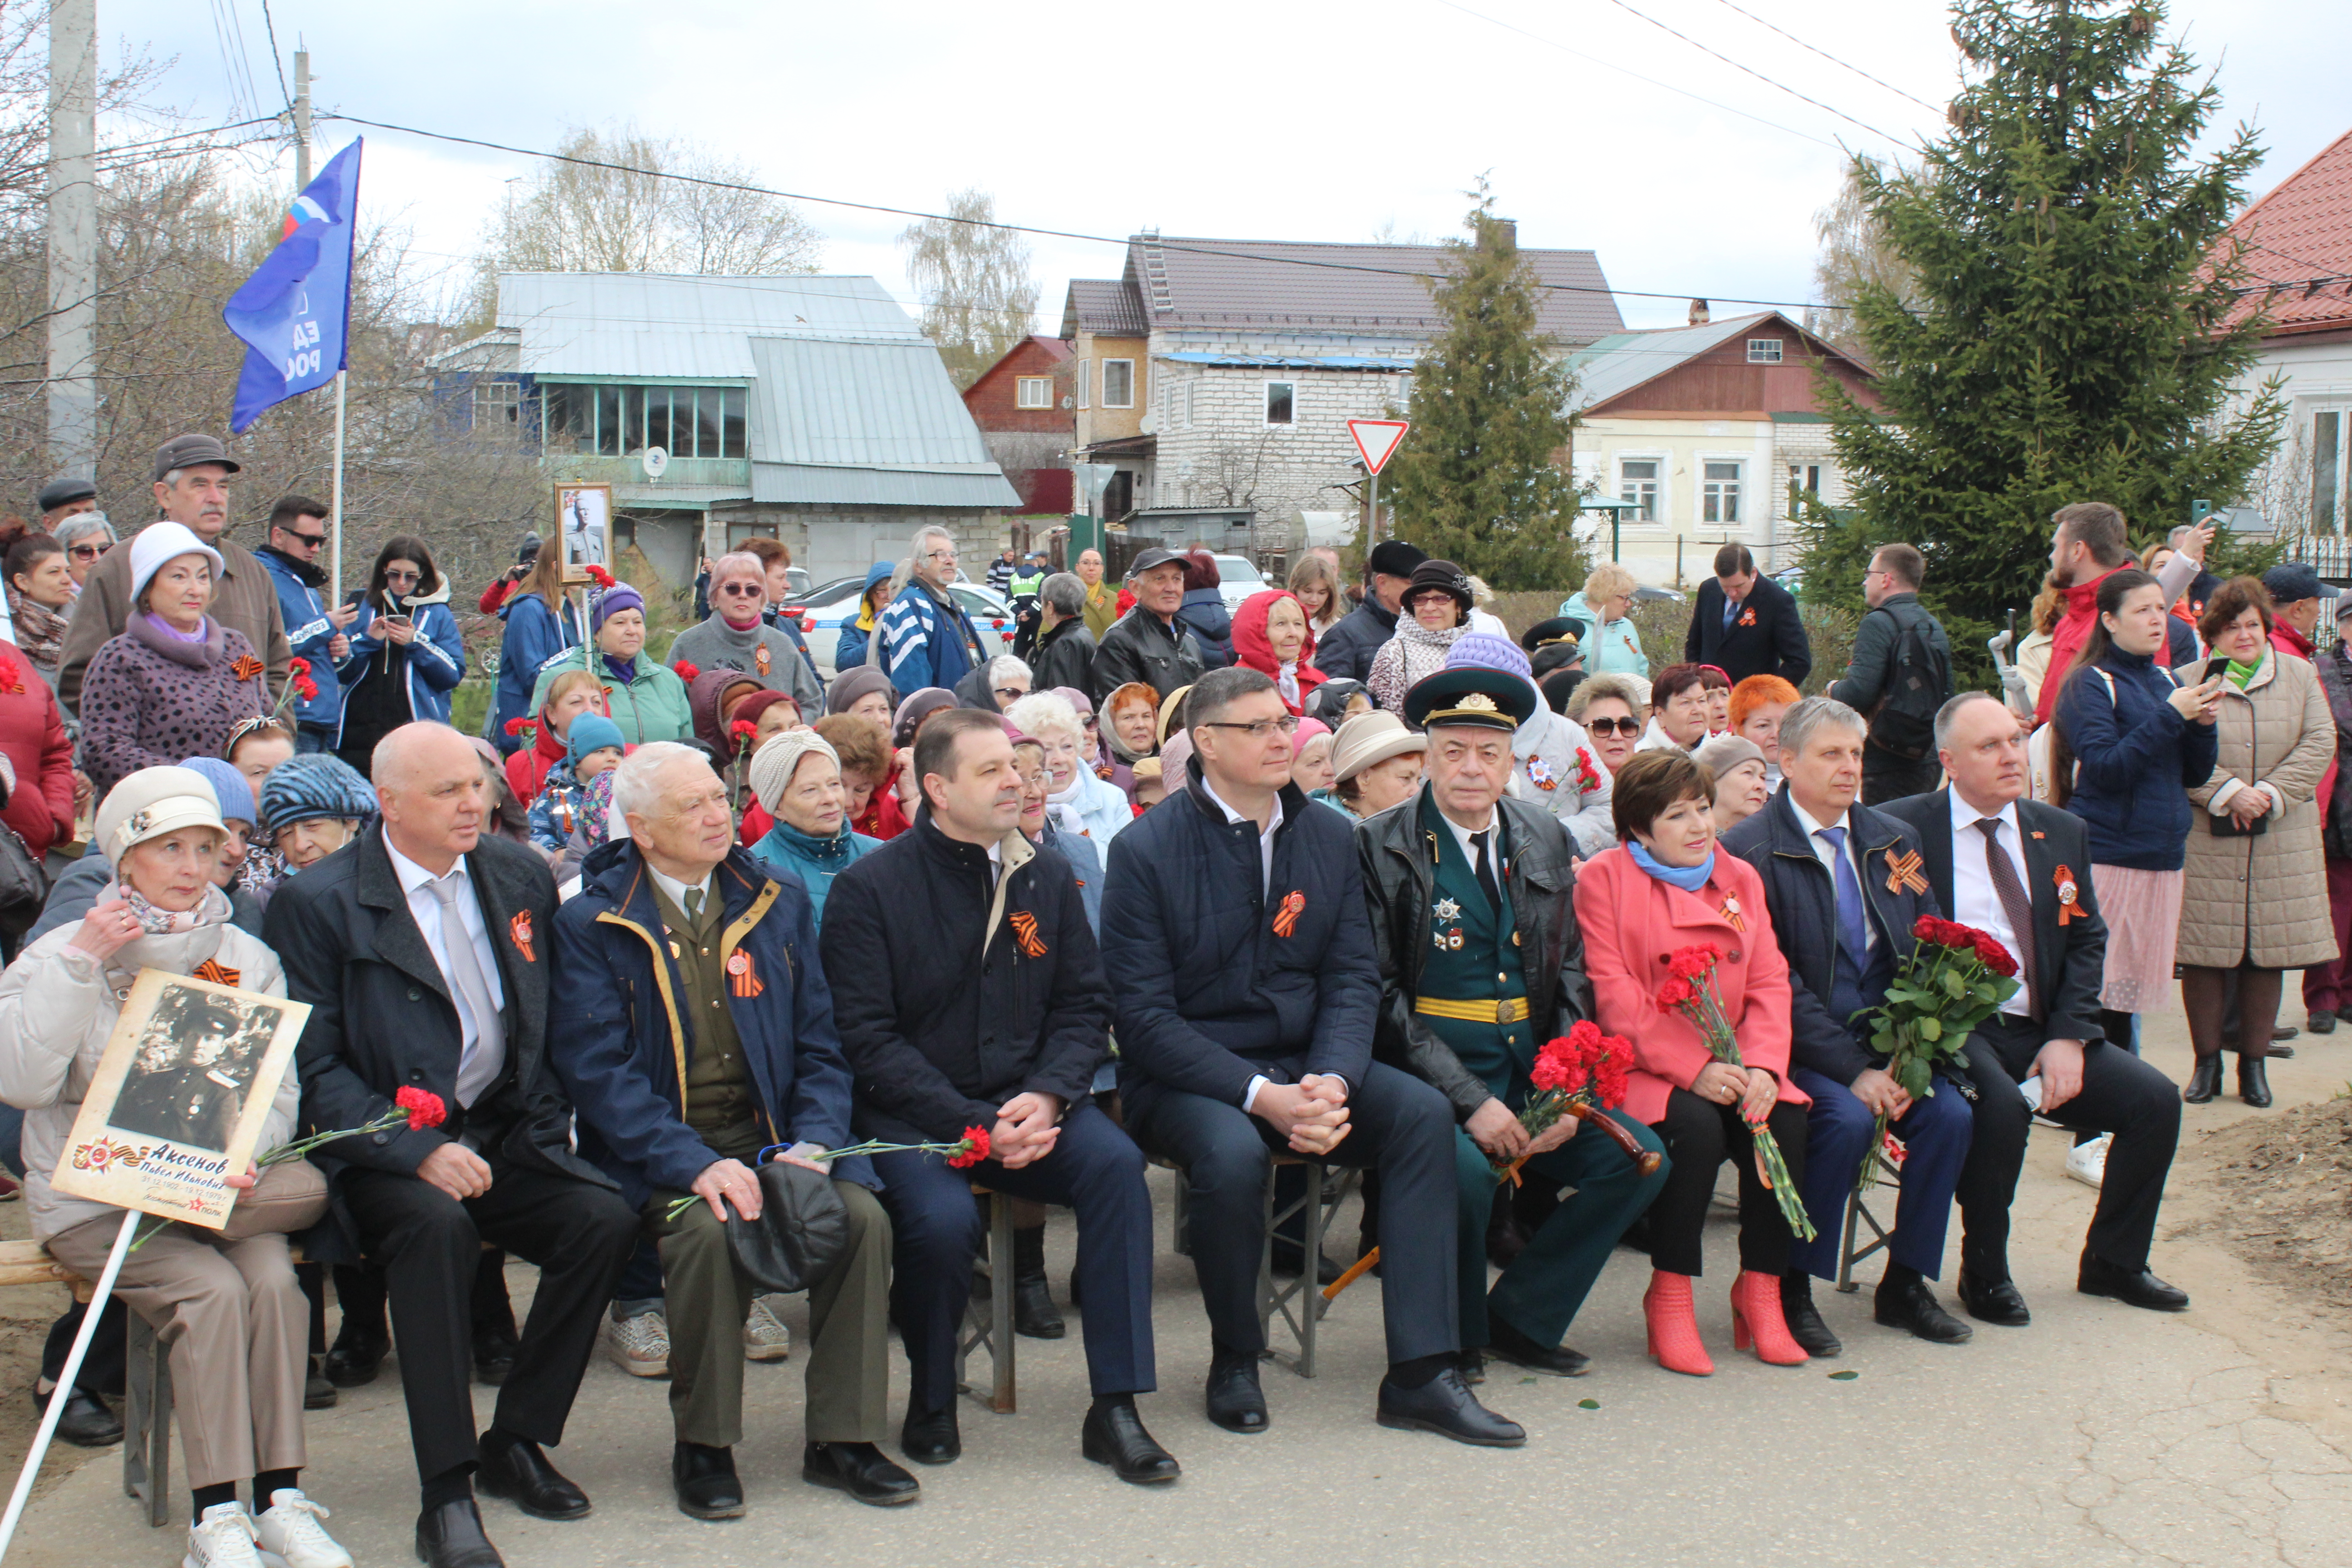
x,y
1918,683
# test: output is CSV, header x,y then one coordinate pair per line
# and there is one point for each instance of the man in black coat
x,y
1240,953
969,995
2020,870
420,947
1744,624
1064,650
1145,643
1900,675
1345,652
1845,886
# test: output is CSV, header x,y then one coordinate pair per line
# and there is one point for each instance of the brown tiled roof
x,y
2299,235
1104,305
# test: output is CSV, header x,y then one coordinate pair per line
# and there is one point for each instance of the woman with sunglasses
x,y
406,653
1612,710
735,637
85,536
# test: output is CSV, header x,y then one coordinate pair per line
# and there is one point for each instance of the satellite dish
x,y
655,461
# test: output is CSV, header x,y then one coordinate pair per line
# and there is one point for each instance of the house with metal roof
x,y
809,408
1222,372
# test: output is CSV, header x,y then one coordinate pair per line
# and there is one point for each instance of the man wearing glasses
x,y
315,629
1246,988
927,638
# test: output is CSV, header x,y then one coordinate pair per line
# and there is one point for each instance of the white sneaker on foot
x,y
2087,1162
640,1345
288,1532
765,1338
223,1538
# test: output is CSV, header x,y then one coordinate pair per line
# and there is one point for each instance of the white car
x,y
830,605
1237,579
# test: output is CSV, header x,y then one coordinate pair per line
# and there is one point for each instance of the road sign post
x,y
1378,440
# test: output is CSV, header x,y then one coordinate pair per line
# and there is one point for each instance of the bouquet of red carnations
x,y
1954,979
411,1108
965,1153
1690,990
1581,1073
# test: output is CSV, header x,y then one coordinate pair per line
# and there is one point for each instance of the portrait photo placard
x,y
583,520
179,1097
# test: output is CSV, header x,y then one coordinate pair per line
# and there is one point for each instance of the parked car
x,y
826,607
1237,579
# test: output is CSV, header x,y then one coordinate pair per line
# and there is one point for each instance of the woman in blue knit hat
x,y
646,700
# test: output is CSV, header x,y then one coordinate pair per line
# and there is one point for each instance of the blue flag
x,y
294,313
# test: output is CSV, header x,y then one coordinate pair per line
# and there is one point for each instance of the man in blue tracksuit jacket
x,y
315,629
927,638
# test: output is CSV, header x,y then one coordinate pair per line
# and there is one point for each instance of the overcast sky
x,y
1271,119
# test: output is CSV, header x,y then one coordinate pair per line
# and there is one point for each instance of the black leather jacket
x,y
1140,646
1400,861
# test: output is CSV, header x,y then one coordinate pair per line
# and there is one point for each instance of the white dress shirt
x,y
1265,887
1494,842
414,881
678,891
1822,852
1975,903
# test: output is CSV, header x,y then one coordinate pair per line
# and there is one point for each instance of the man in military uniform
x,y
1481,965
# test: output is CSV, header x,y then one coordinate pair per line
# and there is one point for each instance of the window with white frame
x,y
1282,403
1805,477
1637,481
1032,392
1119,384
1191,401
1719,493
1168,400
497,407
1082,378
1763,350
2327,434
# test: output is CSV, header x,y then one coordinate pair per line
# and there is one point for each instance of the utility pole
x,y
73,238
301,120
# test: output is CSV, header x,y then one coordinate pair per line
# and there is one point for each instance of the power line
x,y
1751,70
278,62
1176,246
1784,33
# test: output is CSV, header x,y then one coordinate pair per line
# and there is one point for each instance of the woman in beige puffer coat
x,y
2255,902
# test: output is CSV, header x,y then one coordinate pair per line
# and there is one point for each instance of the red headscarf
x,y
1253,651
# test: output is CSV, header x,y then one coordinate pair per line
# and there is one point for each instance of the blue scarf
x,y
1689,878
624,669
786,837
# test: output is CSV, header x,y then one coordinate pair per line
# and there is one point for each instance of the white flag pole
x,y
65,1377
335,548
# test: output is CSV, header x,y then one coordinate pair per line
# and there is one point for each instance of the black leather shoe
x,y
1914,1306
1474,1366
85,1422
1804,1320
1114,1435
1235,1401
352,1363
2281,1052
704,1479
931,1437
318,1393
494,1356
1556,1361
1034,1314
1446,1405
2283,1032
515,1469
451,1536
861,1470
2321,1022
2100,1278
2253,1083
1993,1302
2204,1081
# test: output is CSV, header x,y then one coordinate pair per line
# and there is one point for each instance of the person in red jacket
x,y
1272,637
525,558
569,695
40,798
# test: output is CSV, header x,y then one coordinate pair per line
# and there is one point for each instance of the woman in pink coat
x,y
1665,887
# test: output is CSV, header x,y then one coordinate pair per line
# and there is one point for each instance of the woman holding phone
x,y
406,655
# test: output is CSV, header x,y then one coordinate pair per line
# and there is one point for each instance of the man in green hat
x,y
1481,965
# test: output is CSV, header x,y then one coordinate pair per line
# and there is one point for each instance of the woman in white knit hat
x,y
796,778
226,1301
1375,764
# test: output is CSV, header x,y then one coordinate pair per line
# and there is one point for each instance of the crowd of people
x,y
730,981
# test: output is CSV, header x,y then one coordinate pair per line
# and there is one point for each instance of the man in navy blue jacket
x,y
315,629
1239,946
927,638
691,1025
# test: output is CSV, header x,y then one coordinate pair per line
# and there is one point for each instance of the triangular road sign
x,y
1377,440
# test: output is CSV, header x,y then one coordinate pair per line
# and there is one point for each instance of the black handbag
x,y
24,886
802,1231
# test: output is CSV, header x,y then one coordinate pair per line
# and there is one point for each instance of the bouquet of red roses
x,y
1690,990
1954,979
1581,1073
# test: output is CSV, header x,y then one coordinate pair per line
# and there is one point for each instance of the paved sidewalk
x,y
2098,1437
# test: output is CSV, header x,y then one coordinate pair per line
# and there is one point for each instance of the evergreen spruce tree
x,y
2067,338
1478,480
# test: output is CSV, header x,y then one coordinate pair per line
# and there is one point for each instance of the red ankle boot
x,y
1674,1327
1755,1315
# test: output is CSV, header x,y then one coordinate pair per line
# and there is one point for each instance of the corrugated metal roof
x,y
2300,233
868,403
1279,361
629,325
778,483
1616,365
1104,305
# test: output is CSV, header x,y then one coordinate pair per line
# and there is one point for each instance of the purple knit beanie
x,y
1484,650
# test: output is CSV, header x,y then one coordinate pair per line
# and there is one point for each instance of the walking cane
x,y
65,1377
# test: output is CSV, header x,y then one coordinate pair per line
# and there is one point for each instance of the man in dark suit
x,y
1744,624
420,947
2020,870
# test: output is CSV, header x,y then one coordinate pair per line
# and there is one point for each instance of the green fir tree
x,y
2068,338
1480,479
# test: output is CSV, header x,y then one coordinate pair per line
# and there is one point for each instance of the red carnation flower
x,y
298,666
518,726
1694,963
685,670
1674,993
598,576
424,1107
1559,1065
744,730
975,1141
306,689
1584,1037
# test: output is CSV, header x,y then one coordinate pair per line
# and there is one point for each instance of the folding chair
x,y
991,1324
1321,1203
1877,1171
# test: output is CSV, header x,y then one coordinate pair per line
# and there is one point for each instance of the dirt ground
x,y
2281,1190
26,1313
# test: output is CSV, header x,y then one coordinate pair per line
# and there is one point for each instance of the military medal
x,y
1446,910
1539,774
1286,919
2067,896
761,658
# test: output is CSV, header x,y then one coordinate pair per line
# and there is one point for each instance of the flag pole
x,y
335,548
66,1375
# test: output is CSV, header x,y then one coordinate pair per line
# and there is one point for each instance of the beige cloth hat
x,y
152,803
1370,738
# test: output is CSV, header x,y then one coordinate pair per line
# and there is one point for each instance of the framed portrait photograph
x,y
179,1097
583,519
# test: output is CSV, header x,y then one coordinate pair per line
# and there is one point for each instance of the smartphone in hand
x,y
2215,668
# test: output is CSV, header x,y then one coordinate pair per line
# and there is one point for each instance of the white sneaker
x,y
223,1538
640,1345
290,1532
765,1338
2087,1162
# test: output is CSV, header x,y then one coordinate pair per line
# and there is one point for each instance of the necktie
x,y
2015,905
487,1057
1485,871
1852,935
1730,608
693,908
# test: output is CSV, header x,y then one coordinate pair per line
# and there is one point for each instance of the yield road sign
x,y
1377,439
